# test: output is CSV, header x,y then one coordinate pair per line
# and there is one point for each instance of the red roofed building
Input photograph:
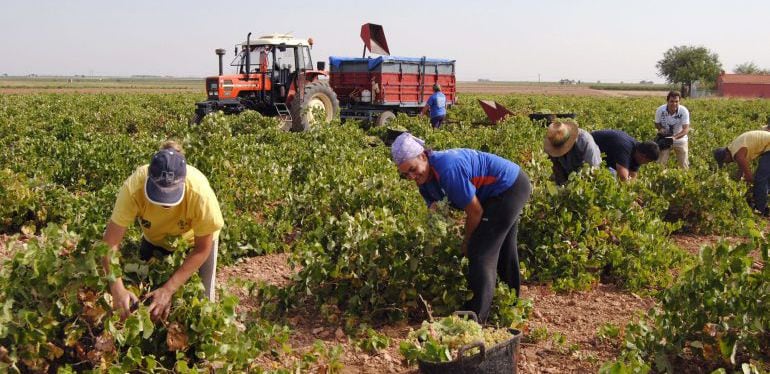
x,y
743,85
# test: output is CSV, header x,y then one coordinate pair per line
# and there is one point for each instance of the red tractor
x,y
275,77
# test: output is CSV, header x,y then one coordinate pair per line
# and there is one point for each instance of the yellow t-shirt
x,y
197,215
756,143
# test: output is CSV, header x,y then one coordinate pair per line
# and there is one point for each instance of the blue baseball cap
x,y
166,178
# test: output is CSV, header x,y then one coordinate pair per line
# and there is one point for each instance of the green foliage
x,y
56,314
28,203
538,334
716,315
686,64
370,341
507,310
367,245
608,332
750,67
596,227
710,203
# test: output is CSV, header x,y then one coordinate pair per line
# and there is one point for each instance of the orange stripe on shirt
x,y
483,181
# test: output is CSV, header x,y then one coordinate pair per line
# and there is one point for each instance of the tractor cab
x,y
275,77
278,58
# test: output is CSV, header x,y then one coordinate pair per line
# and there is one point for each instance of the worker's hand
x,y
748,178
161,303
464,248
122,299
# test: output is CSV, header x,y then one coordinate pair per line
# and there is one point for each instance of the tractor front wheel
x,y
195,119
319,104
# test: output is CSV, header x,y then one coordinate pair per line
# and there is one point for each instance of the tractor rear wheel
x,y
384,118
318,104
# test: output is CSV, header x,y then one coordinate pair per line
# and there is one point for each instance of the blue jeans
x,y
761,178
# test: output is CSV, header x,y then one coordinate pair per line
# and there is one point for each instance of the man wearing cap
x,y
673,121
491,190
743,150
437,106
170,200
569,147
623,154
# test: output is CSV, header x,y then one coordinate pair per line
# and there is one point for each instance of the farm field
x,y
27,85
327,253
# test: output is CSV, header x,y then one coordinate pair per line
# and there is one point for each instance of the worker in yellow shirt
x,y
170,200
745,148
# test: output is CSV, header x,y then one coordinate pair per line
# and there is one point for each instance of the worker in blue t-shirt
x,y
437,106
491,190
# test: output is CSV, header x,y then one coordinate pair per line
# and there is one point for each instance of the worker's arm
x,y
121,298
161,297
424,110
685,130
622,172
743,164
559,175
473,213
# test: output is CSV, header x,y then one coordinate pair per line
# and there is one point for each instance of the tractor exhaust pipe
x,y
248,55
220,52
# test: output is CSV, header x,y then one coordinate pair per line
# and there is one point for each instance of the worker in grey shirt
x,y
569,147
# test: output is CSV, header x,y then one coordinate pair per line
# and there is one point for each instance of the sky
x,y
546,40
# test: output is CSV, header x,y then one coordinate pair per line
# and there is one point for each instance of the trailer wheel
x,y
384,118
318,104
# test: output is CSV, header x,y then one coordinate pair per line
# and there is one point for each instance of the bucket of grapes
x,y
459,344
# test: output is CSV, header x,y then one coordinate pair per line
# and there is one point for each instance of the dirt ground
x,y
546,89
98,90
562,335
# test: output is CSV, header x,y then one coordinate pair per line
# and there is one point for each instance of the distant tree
x,y
687,64
750,68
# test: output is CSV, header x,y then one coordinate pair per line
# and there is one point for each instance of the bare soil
x,y
545,89
566,324
97,90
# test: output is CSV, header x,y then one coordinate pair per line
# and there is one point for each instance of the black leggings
x,y
492,248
